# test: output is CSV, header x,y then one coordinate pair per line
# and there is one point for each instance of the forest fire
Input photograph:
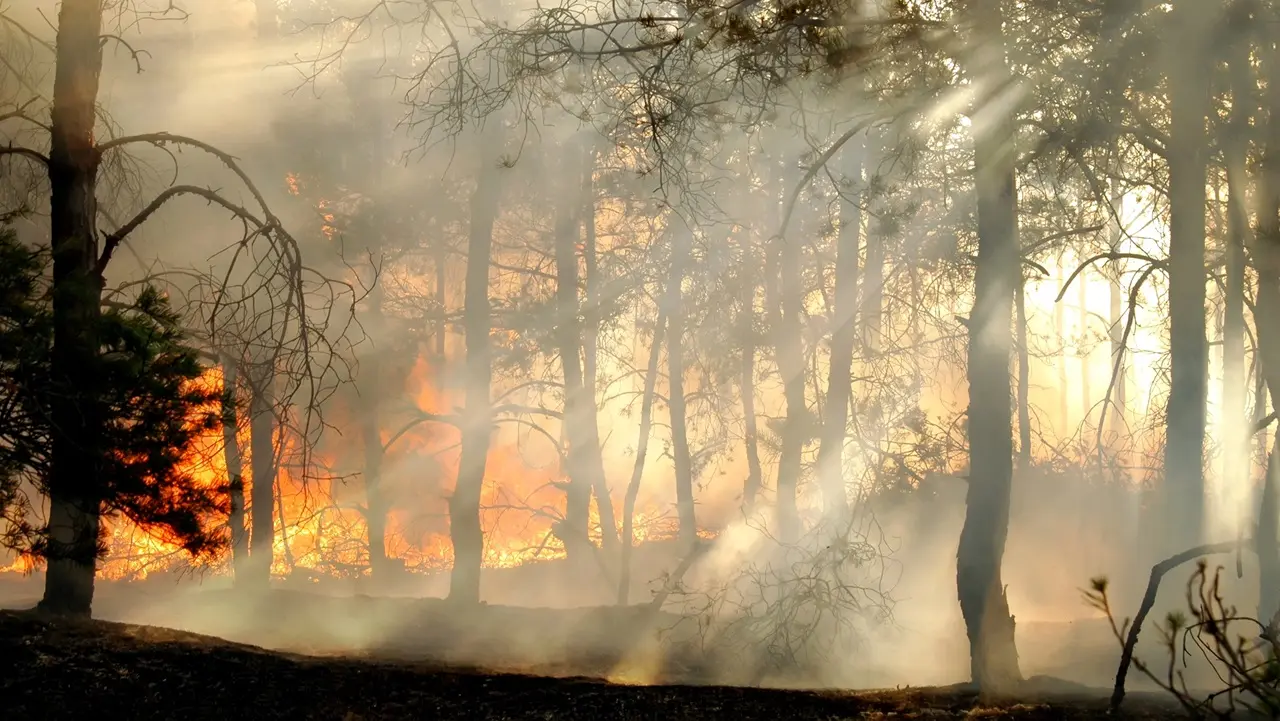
x,y
321,533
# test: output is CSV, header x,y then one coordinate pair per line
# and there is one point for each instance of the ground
x,y
57,669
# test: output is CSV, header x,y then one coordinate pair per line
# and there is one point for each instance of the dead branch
x,y
25,152
1158,572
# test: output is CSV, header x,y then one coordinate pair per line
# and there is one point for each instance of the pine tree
x,y
147,381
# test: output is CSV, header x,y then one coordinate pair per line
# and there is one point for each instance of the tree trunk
x,y
681,259
642,451
1024,375
840,371
268,24
262,472
1266,254
1060,329
77,414
789,355
477,415
1086,388
579,411
983,603
1188,348
1235,466
370,394
590,353
232,455
747,329
1120,394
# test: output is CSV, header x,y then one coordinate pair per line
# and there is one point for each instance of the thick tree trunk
x,y
234,459
642,452
1266,255
983,603
262,452
579,411
1235,466
840,371
1188,348
477,415
77,416
681,259
590,352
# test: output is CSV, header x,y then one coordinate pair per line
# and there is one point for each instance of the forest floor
x,y
55,669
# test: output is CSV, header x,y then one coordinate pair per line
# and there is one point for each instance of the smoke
x,y
369,179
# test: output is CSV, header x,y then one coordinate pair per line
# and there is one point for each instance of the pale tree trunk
x,y
1120,394
1086,388
579,411
1235,456
590,353
840,372
262,473
77,414
234,460
1266,253
1024,375
872,304
1188,348
642,452
477,415
983,603
681,259
747,329
370,395
1060,329
442,327
789,352
266,18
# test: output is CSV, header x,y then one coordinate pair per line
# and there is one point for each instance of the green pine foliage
x,y
147,380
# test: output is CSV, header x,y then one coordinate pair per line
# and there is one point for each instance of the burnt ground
x,y
59,669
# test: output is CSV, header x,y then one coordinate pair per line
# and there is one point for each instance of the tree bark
x,y
843,336
681,259
233,457
1188,348
579,411
747,329
1266,254
590,352
75,497
789,355
1024,375
1235,466
370,394
1086,388
642,451
477,415
262,472
983,603
1120,396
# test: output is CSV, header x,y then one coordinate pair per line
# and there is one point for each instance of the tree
x,y
477,414
993,656
154,403
80,446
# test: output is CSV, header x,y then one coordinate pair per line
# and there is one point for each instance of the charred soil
x,y
56,669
